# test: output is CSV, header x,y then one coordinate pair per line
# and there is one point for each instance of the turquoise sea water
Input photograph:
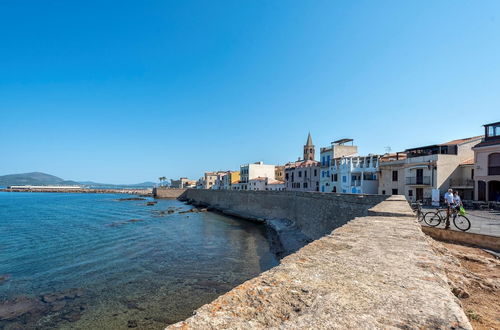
x,y
88,261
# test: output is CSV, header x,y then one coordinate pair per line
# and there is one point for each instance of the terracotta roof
x,y
276,182
259,178
469,161
460,141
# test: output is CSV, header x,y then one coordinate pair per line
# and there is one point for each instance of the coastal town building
x,y
428,172
275,185
213,180
229,179
182,183
391,172
341,148
264,183
487,165
303,175
255,170
279,173
355,174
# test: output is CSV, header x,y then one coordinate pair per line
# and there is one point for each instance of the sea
x,y
95,261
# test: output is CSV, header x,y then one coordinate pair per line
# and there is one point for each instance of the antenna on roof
x,y
388,149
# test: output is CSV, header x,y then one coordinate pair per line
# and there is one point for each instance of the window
x,y
305,174
394,175
494,164
305,184
335,178
286,176
383,192
300,174
394,191
344,178
315,172
334,189
410,193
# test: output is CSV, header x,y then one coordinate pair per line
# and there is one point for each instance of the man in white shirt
x,y
449,200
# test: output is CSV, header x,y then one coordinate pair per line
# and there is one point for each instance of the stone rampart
x,y
315,214
376,271
167,192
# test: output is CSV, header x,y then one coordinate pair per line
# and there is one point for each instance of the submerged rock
x,y
12,309
131,199
4,278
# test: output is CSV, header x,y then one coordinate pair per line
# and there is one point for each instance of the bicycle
x,y
417,207
434,219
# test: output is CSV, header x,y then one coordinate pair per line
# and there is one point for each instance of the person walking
x,y
449,201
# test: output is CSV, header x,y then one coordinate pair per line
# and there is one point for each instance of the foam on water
x,y
145,273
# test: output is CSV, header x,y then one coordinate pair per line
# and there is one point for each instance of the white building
x,y
275,185
355,174
262,183
337,149
255,170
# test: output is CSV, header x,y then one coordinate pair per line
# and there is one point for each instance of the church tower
x,y
309,149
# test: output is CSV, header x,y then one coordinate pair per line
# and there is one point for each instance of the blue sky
x,y
127,91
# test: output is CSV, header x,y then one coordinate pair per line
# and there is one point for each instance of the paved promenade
x,y
484,222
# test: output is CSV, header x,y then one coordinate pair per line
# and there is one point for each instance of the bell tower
x,y
309,149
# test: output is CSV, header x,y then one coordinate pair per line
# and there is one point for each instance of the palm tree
x,y
162,178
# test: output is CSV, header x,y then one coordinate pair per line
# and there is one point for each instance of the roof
x,y
309,142
453,142
343,141
469,161
460,141
498,122
259,178
276,182
301,163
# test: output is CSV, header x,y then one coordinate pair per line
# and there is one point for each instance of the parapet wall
x,y
315,214
377,271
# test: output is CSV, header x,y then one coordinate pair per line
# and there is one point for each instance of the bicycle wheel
x,y
432,219
461,222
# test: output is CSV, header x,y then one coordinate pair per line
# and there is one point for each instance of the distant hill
x,y
34,179
43,179
110,185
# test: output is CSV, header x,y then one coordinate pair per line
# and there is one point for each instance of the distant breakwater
x,y
142,192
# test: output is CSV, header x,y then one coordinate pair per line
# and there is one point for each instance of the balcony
x,y
418,180
455,183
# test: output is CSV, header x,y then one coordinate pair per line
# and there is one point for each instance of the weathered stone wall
x,y
167,192
375,272
315,214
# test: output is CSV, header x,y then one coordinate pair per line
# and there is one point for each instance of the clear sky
x,y
127,91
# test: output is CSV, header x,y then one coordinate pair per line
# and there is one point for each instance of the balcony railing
x,y
418,180
461,183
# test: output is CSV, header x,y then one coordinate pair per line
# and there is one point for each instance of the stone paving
x,y
484,222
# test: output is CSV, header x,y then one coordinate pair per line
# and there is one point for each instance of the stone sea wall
x,y
314,214
369,267
167,192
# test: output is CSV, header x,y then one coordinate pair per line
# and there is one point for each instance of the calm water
x,y
88,261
